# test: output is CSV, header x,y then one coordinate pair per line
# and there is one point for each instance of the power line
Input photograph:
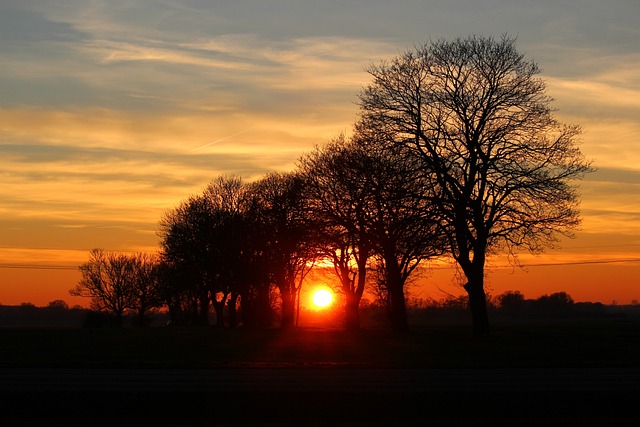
x,y
588,262
38,267
541,264
554,264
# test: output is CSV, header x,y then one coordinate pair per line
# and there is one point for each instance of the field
x,y
575,343
550,355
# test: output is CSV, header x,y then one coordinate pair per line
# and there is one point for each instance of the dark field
x,y
579,343
529,373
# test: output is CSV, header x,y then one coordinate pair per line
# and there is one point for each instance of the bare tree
x,y
146,294
213,254
288,237
337,196
367,201
500,165
108,279
188,256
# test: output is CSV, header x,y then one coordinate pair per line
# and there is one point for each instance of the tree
x,y
500,166
108,279
188,256
58,305
336,195
405,227
512,303
145,289
289,247
213,254
558,304
365,201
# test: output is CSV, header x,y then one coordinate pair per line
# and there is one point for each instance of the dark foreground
x,y
561,374
320,396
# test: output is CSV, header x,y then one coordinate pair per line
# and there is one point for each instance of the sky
x,y
112,112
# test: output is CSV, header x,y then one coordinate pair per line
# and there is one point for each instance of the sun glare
x,y
322,298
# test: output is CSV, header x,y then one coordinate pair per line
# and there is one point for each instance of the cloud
x,y
21,26
611,201
615,176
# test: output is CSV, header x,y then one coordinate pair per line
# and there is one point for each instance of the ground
x,y
530,373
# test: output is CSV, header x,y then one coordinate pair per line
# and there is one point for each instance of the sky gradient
x,y
112,112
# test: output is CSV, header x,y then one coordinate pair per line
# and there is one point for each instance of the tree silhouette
x,y
288,238
500,166
146,295
118,283
512,303
213,254
337,197
366,201
108,279
188,253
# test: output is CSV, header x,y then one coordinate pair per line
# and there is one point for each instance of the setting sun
x,y
322,298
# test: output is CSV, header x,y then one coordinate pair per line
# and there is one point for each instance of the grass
x,y
569,343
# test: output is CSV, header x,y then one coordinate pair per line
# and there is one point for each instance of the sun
x,y
322,298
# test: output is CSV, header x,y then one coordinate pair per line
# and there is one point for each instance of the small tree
x,y
146,292
558,304
108,279
58,305
512,303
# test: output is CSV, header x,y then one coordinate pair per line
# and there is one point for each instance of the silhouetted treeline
x,y
56,314
513,305
510,305
455,153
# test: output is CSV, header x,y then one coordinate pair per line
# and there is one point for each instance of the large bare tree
x,y
502,167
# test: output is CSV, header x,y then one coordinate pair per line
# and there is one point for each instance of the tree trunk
x,y
233,313
352,315
204,310
264,314
397,309
142,318
288,309
119,316
478,305
397,305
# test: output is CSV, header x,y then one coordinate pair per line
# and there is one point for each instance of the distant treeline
x,y
58,314
509,305
514,305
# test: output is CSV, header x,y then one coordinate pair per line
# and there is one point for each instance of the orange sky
x,y
111,112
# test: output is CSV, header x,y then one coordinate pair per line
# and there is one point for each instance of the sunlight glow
x,y
322,298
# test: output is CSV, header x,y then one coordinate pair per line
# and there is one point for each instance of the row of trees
x,y
455,153
344,207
